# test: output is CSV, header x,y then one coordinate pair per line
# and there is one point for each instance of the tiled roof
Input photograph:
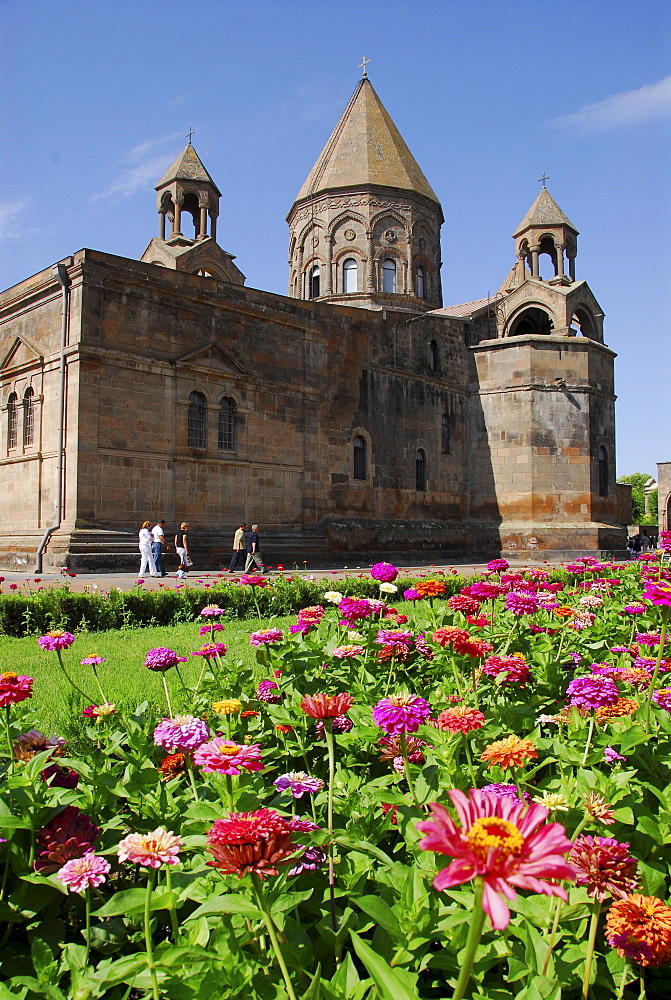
x,y
463,310
187,167
544,212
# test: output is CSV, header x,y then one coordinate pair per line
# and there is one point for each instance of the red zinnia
x,y
250,842
326,706
460,719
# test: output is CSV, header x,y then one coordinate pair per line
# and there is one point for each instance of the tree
x,y
644,505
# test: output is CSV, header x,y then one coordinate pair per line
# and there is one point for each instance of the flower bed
x,y
470,801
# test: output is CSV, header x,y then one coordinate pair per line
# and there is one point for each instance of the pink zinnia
x,y
513,669
211,611
658,593
604,866
401,713
352,608
347,652
460,719
57,639
183,734
92,661
212,627
160,847
388,636
210,650
384,572
14,688
81,873
220,756
662,698
592,692
497,565
269,692
265,636
505,843
161,659
462,602
521,603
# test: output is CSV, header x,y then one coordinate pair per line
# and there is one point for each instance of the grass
x,y
124,678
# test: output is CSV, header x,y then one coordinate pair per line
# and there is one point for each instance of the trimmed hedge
x,y
58,607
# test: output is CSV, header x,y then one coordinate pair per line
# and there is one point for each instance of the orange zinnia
x,y
510,752
430,588
563,611
640,928
622,707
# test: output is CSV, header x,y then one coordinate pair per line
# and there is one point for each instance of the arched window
x,y
445,435
313,282
12,420
388,275
360,462
433,356
350,276
196,427
28,417
420,470
226,430
603,472
420,282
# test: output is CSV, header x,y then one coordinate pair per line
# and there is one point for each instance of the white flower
x,y
333,597
544,718
388,588
552,801
355,637
590,601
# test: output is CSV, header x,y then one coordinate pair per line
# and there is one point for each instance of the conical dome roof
x,y
187,167
544,212
366,148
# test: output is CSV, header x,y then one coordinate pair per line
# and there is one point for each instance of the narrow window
x,y
446,435
28,417
388,275
420,470
349,276
360,471
420,282
226,435
12,420
603,472
433,356
313,282
196,432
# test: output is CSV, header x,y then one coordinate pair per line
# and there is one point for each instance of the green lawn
x,y
125,679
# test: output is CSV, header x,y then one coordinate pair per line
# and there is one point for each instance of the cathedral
x,y
354,418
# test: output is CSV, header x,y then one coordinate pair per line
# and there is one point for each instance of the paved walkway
x,y
25,582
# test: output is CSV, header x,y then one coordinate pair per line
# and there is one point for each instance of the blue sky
x,y
97,98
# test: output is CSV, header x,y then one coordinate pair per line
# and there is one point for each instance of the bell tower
x,y
546,230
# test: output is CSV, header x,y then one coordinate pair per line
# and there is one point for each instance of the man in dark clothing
x,y
253,550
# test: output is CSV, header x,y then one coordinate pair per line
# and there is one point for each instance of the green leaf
x,y
230,902
313,991
395,984
382,914
132,901
362,847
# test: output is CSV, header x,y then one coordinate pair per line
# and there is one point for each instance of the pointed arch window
x,y
350,276
12,421
420,470
603,472
227,422
433,356
420,283
388,275
360,458
314,281
445,435
28,417
196,431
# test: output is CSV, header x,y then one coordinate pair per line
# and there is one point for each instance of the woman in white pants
x,y
146,556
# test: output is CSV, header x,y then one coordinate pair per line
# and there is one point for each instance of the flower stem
x,y
147,934
102,693
229,791
69,679
590,734
651,691
173,915
272,933
330,745
202,672
87,900
594,923
623,980
553,934
469,758
406,769
472,942
8,734
167,696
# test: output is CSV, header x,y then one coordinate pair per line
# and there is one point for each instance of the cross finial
x,y
189,134
362,66
543,179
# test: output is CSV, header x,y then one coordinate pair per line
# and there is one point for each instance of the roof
x,y
544,212
187,167
464,309
366,148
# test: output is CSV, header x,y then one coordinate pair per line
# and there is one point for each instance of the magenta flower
x,y
340,724
57,776
521,603
92,661
81,873
610,755
14,688
351,608
221,756
161,659
299,783
393,637
151,850
269,692
658,593
311,858
662,698
592,692
412,595
347,652
265,636
384,572
401,713
212,627
212,611
300,628
506,792
497,565
183,734
57,639
604,866
635,609
210,650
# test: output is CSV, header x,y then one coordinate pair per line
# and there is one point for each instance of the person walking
x,y
254,550
182,550
238,547
158,546
146,554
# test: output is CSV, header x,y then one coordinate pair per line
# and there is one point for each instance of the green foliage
x,y
644,505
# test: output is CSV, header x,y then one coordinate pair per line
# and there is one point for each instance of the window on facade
x,y
388,275
28,417
420,282
313,282
420,470
446,435
603,472
349,276
196,432
226,430
433,356
360,463
12,419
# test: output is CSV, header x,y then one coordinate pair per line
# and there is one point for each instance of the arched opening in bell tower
x,y
531,322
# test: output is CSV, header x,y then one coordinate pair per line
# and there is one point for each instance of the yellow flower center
x,y
8,676
492,832
228,749
56,634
